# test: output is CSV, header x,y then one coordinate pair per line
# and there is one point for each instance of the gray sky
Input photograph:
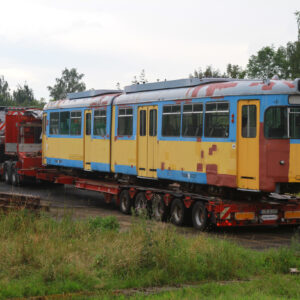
x,y
111,41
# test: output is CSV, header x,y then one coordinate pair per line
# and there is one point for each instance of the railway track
x,y
84,204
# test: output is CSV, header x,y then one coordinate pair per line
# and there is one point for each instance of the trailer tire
x,y
15,178
141,205
199,216
158,208
125,202
7,172
178,212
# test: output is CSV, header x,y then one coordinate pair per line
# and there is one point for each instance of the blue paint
x,y
193,177
102,167
64,162
125,169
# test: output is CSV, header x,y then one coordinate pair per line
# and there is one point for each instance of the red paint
x,y
255,83
268,87
188,202
179,101
188,91
202,154
219,86
197,89
116,137
188,101
199,139
162,166
199,167
212,149
271,151
131,166
214,178
290,85
220,97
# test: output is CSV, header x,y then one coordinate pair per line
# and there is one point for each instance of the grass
x,y
42,256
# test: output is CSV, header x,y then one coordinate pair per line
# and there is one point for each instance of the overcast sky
x,y
111,41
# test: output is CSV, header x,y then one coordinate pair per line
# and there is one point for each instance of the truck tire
x,y
125,202
141,205
199,216
7,172
158,208
178,212
15,178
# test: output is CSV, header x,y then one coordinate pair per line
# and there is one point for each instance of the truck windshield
x,y
282,122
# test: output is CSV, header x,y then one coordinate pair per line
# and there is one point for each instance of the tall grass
x,y
42,255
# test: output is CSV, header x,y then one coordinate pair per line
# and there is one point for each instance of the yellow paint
x,y
44,138
146,146
87,140
179,155
294,167
64,148
247,151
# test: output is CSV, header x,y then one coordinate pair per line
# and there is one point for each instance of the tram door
x,y
147,141
44,138
248,144
87,151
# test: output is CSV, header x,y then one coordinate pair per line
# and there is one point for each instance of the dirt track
x,y
84,203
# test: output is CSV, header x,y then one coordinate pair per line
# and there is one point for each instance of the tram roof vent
x,y
91,93
172,84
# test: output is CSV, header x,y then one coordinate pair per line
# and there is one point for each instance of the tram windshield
x,y
282,122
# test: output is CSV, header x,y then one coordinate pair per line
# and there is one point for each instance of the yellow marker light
x,y
292,214
241,216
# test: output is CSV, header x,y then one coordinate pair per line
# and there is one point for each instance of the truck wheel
x,y
141,205
199,216
125,202
7,172
158,208
15,178
178,212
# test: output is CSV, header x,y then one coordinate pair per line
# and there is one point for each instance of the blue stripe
x,y
125,169
64,162
194,177
95,166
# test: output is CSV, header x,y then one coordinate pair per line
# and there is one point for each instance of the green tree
x,y
5,97
69,82
23,96
142,78
235,71
297,14
209,72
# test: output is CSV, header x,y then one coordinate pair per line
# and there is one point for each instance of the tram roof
x,y
211,89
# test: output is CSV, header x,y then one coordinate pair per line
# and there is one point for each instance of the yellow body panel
x,y
248,151
64,148
294,166
185,156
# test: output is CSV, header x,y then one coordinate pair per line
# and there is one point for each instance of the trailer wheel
x,y
158,208
125,202
7,172
15,178
199,216
141,205
178,212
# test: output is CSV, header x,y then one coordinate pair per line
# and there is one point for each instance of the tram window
x,y
276,121
249,121
125,121
75,126
171,120
54,121
64,122
217,120
44,123
88,124
153,122
192,120
99,122
142,122
294,122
